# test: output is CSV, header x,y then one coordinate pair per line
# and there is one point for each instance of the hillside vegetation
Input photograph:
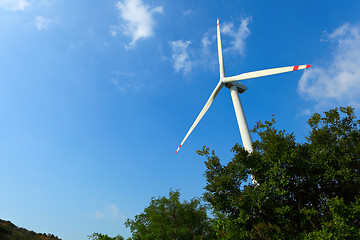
x,y
9,231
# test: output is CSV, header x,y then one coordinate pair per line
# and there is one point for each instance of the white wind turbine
x,y
235,89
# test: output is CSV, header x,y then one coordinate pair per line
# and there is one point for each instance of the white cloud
x,y
114,212
42,22
238,35
14,5
207,55
233,41
47,2
125,81
337,82
206,41
305,112
114,30
187,13
138,20
180,56
99,214
111,211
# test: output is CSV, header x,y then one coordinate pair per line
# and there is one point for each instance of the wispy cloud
x,y
114,30
48,2
138,20
336,82
187,13
233,38
42,23
14,5
238,35
208,53
125,81
235,42
111,211
114,212
180,56
99,214
206,41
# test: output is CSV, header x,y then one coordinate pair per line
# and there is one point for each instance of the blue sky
x,y
95,97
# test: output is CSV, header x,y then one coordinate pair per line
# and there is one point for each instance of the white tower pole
x,y
243,126
240,116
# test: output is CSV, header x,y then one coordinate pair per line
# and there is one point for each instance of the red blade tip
x,y
178,149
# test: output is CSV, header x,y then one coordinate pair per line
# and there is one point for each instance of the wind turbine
x,y
236,88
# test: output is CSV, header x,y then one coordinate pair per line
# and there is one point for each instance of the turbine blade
x,y
266,72
203,111
221,61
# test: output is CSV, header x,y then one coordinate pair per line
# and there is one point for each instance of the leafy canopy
x,y
305,190
168,218
99,236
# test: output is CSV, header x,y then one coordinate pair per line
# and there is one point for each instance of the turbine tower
x,y
236,88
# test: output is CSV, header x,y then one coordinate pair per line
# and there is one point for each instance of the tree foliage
x,y
168,218
305,190
9,231
99,236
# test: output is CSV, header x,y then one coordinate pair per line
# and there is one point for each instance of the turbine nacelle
x,y
240,87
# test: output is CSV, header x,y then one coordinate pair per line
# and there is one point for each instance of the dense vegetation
x,y
99,236
305,190
168,218
9,231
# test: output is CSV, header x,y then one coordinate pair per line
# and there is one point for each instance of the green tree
x,y
99,236
9,231
168,218
305,190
